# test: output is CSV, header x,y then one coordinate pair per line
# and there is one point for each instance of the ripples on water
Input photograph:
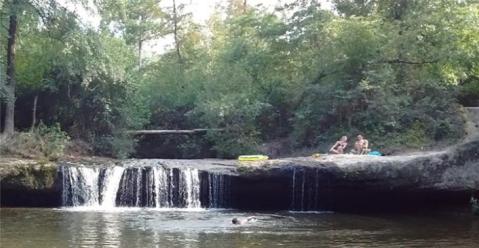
x,y
137,227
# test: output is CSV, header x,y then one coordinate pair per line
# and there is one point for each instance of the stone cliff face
x,y
29,183
348,181
339,182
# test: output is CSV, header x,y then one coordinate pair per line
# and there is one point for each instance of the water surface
x,y
142,227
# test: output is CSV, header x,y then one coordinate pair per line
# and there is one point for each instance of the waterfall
x,y
111,185
190,187
133,187
293,191
161,187
218,191
127,194
171,188
90,187
305,190
146,186
80,186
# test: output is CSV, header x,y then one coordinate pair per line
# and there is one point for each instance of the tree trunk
x,y
140,47
140,42
1,109
2,87
34,112
175,31
10,98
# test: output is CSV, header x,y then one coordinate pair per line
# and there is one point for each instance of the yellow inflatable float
x,y
250,158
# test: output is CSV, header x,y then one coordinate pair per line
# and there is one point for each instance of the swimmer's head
x,y
235,221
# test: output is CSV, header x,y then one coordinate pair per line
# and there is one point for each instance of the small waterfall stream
x,y
305,190
145,186
190,185
111,185
219,191
80,186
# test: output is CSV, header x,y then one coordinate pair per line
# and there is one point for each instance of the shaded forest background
x,y
277,82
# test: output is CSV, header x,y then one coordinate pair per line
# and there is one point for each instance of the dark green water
x,y
39,228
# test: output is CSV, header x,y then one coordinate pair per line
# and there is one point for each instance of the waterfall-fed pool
x,y
157,227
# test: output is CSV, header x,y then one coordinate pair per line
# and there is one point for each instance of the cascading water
x,y
190,187
219,194
149,186
111,184
160,177
80,186
305,190
160,187
90,187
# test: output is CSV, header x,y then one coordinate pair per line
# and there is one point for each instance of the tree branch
x,y
399,61
40,13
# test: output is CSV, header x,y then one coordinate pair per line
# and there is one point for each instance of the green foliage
x,y
354,7
43,142
414,137
86,78
469,93
392,70
118,145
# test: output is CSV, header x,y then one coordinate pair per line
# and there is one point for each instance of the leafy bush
x,y
234,142
414,137
120,145
43,142
469,94
236,115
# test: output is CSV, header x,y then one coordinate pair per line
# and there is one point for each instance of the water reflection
x,y
151,228
111,231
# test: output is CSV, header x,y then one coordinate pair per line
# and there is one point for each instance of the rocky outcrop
x,y
29,183
454,169
329,182
349,181
333,182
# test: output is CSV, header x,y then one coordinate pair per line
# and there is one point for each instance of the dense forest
x,y
264,80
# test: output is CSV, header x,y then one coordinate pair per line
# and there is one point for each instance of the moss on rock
x,y
28,174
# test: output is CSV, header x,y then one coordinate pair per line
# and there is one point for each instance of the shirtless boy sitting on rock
x,y
361,146
340,146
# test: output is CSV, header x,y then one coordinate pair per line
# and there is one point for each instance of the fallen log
x,y
173,131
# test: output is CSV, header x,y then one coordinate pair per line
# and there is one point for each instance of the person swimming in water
x,y
241,221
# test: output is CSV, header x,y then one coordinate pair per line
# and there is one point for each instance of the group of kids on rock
x,y
361,146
